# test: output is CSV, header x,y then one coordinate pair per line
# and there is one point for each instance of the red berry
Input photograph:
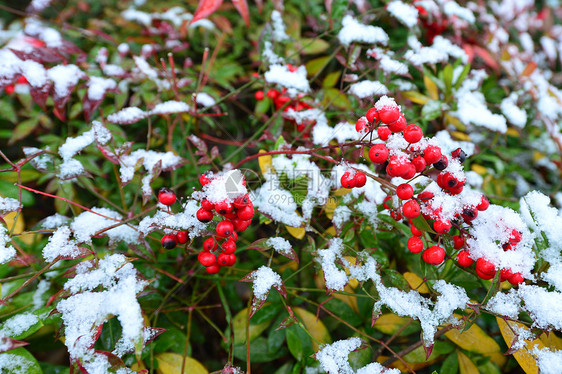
x,y
210,244
415,244
396,167
459,155
347,180
484,204
229,246
204,215
458,241
410,171
383,132
223,207
449,181
372,115
419,163
505,274
389,114
431,154
169,241
231,260
207,205
442,163
434,255
463,258
360,179
203,179
415,230
515,237
442,226
396,215
213,269
182,237
241,201
516,279
485,267
425,196
469,214
413,133
273,94
361,126
398,125
456,190
484,275
378,153
259,95
206,258
224,228
411,209
405,191
245,213
385,205
166,196
223,259
240,225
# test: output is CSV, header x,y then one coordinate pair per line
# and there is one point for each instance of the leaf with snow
x,y
127,116
354,31
263,279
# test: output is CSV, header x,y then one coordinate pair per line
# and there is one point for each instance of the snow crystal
x,y
146,70
264,278
7,252
335,278
268,54
354,31
97,87
342,214
87,224
60,244
405,13
294,82
14,363
38,5
543,306
514,113
439,51
368,88
550,362
7,204
132,14
448,145
279,244
127,116
505,304
169,107
205,99
123,48
65,77
18,324
279,33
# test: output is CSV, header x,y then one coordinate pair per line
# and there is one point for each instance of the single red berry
x,y
384,133
404,191
223,207
431,154
398,125
223,259
505,274
516,279
442,226
425,196
372,115
224,228
229,246
409,172
396,167
389,114
449,180
360,179
378,153
273,94
411,209
347,180
204,215
413,133
455,190
213,269
230,216
182,237
385,205
419,163
169,241
485,267
207,205
433,255
240,225
234,235
206,258
484,204
415,244
246,213
459,155
484,275
515,237
210,244
231,259
396,215
259,95
166,196
415,230
458,241
464,260
442,163
203,179
361,126
241,201
469,214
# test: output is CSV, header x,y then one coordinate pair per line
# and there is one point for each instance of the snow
x,y
7,252
227,185
263,279
368,88
276,202
405,13
40,293
38,5
452,8
335,278
65,77
448,145
185,220
123,48
354,31
87,224
342,214
169,107
205,99
127,116
505,304
386,102
34,72
550,362
13,363
294,82
279,33
388,65
280,245
60,244
440,51
97,87
7,204
516,115
18,324
132,14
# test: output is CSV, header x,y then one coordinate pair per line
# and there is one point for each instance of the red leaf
x,y
259,3
328,5
40,94
487,57
11,344
205,9
242,8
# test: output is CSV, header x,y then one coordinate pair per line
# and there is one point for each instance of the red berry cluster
x,y
170,241
355,179
237,215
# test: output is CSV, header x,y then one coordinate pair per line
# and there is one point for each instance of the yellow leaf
x,y
512,132
455,122
461,136
265,162
390,323
20,226
316,328
171,363
479,169
466,366
416,282
552,341
329,208
239,327
341,191
331,231
431,88
400,366
537,156
523,355
416,97
297,232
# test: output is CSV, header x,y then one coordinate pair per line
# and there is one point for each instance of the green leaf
x,y
9,190
19,360
331,79
23,129
313,46
462,76
314,66
450,364
7,111
422,225
448,78
259,351
432,110
299,342
335,97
